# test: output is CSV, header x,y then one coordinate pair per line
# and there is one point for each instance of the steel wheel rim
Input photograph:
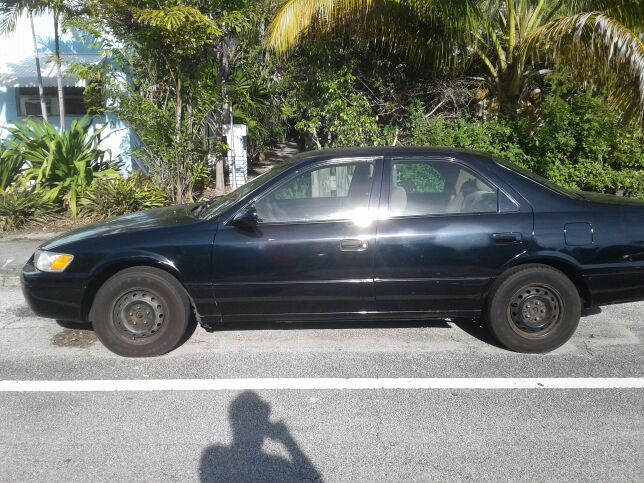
x,y
535,311
138,315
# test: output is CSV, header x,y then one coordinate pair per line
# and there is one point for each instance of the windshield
x,y
539,179
219,205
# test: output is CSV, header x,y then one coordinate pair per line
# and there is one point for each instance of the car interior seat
x,y
398,200
472,195
482,200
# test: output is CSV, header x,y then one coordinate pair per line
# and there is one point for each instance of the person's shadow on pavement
x,y
244,460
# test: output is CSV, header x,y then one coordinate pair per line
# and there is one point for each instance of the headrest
x,y
481,186
398,199
472,185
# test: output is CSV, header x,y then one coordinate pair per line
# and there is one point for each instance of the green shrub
x,y
201,175
497,137
10,168
19,207
63,164
333,113
575,139
113,197
579,142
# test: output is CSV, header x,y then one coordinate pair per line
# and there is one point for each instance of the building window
x,y
30,106
29,101
74,103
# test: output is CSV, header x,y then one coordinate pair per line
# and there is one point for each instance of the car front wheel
x,y
141,312
533,308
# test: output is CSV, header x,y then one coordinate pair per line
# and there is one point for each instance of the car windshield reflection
x,y
218,205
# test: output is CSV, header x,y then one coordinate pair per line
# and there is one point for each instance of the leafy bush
x,y
579,142
10,168
334,113
113,197
201,175
171,157
575,139
63,164
497,137
21,206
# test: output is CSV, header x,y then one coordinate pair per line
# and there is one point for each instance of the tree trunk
x,y
177,109
223,73
190,114
179,178
509,88
315,138
41,90
59,75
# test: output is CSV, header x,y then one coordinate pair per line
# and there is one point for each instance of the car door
x,y
445,232
311,254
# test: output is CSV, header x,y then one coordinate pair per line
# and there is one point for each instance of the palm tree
x,y
56,7
10,12
596,39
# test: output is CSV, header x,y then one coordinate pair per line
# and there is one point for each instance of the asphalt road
x,y
322,434
15,250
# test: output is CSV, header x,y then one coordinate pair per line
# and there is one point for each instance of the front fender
x,y
206,310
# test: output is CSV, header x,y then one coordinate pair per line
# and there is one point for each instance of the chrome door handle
x,y
353,245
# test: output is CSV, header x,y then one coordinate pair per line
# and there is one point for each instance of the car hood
x,y
141,220
612,199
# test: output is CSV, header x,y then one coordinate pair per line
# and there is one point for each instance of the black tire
x,y
533,308
141,312
72,324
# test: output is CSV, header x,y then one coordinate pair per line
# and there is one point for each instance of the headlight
x,y
52,262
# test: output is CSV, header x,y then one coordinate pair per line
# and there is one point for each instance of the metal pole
x,y
233,163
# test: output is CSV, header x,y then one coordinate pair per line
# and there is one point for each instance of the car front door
x,y
444,234
311,254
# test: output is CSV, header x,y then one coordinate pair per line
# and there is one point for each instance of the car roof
x,y
388,151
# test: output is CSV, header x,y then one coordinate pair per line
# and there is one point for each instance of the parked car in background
x,y
359,234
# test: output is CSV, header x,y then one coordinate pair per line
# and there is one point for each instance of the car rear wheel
x,y
141,312
533,308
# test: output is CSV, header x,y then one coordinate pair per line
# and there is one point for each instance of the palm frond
x,y
427,43
295,18
628,12
10,12
600,51
394,20
10,168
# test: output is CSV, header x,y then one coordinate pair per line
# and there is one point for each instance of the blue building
x,y
19,97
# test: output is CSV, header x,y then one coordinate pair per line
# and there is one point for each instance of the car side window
x,y
330,192
427,187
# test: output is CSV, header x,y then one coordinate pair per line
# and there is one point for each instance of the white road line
x,y
321,383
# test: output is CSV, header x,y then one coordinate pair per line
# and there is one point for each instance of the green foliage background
x,y
169,69
570,135
576,141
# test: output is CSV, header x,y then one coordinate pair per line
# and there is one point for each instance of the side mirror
x,y
246,219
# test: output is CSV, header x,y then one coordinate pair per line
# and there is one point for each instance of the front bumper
x,y
53,295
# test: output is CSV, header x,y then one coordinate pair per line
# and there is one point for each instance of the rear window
x,y
539,179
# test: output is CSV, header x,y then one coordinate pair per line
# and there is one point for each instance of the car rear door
x,y
312,253
446,231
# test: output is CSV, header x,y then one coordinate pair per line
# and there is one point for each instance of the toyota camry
x,y
360,234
